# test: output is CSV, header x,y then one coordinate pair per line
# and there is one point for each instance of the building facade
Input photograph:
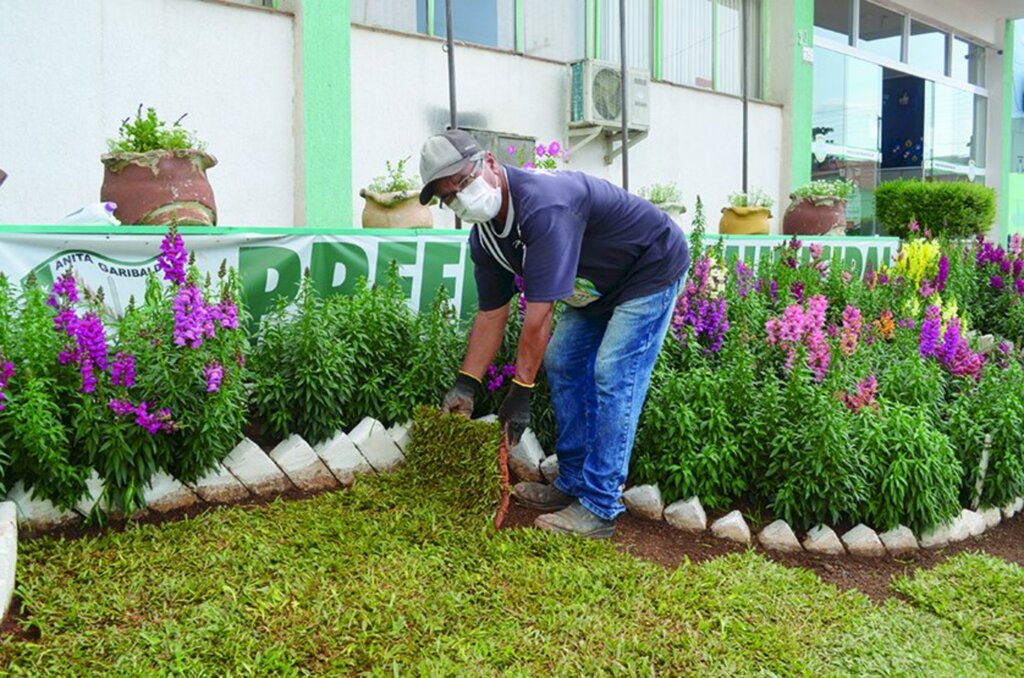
x,y
303,101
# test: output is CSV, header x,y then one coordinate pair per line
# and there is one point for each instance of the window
x,y
954,130
397,14
968,62
881,31
554,30
730,46
638,33
481,22
927,47
832,20
687,41
702,44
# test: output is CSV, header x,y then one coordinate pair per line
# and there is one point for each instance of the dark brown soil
x,y
669,547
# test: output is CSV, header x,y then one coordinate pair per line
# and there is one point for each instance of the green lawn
x,y
383,579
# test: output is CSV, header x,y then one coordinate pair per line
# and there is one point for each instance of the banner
x,y
271,263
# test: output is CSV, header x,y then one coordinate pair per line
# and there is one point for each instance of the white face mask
x,y
477,203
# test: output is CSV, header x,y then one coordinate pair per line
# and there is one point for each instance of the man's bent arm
x,y
533,340
485,340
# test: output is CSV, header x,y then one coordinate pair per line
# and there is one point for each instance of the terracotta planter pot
x,y
400,209
160,187
815,216
744,221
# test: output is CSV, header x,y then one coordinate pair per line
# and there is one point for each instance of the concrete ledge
x,y
302,465
256,470
343,458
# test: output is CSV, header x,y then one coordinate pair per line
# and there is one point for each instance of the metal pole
x,y
746,89
625,96
450,47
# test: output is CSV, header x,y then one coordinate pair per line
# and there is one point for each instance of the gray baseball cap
x,y
444,155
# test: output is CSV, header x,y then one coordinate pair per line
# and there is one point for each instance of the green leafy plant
x,y
755,198
304,372
394,179
913,473
957,209
823,189
148,132
539,156
661,194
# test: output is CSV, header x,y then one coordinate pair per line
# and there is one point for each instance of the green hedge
x,y
957,209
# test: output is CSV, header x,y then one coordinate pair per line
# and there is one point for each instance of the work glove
x,y
461,395
514,413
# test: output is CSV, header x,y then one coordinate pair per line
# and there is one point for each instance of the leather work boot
x,y
541,497
576,520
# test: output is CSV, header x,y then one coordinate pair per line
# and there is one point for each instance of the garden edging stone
x,y
644,501
376,445
220,486
343,458
687,515
733,527
525,459
8,554
302,465
861,540
38,514
992,516
899,540
256,470
974,522
93,489
935,538
823,539
779,536
165,493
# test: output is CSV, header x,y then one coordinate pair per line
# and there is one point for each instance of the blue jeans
x,y
599,368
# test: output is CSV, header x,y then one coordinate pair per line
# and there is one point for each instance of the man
x,y
615,260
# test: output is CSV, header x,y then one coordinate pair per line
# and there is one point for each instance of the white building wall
x,y
400,97
70,71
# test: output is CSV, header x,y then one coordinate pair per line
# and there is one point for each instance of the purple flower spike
x,y
930,329
173,257
122,371
214,373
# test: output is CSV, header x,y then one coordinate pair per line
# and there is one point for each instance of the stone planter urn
x,y
397,209
160,187
744,221
815,215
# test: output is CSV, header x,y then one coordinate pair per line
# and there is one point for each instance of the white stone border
x,y
8,554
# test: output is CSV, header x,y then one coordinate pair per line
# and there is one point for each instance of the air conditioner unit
x,y
596,95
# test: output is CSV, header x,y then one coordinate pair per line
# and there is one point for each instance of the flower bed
x,y
794,389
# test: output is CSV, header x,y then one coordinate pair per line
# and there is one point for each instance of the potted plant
x,y
818,208
747,214
666,197
392,200
156,173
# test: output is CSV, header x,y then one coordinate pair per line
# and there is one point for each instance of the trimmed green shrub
x,y
957,209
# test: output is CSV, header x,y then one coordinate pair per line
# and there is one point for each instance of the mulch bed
x,y
669,547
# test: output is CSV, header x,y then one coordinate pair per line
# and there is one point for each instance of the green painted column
x,y
802,93
327,112
1006,186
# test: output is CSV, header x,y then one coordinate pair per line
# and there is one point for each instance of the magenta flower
x,y
865,396
511,149
816,250
121,407
540,150
1018,286
1015,245
496,377
122,371
65,292
797,290
930,329
529,165
192,319
214,373
847,277
6,372
553,148
173,257
852,324
943,274
996,282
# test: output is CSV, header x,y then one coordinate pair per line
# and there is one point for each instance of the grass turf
x,y
384,578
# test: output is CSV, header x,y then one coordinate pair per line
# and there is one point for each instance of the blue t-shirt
x,y
576,238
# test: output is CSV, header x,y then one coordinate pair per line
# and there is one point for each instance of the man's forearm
x,y
533,340
485,340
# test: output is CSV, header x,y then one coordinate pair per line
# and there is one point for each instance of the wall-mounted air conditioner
x,y
596,95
